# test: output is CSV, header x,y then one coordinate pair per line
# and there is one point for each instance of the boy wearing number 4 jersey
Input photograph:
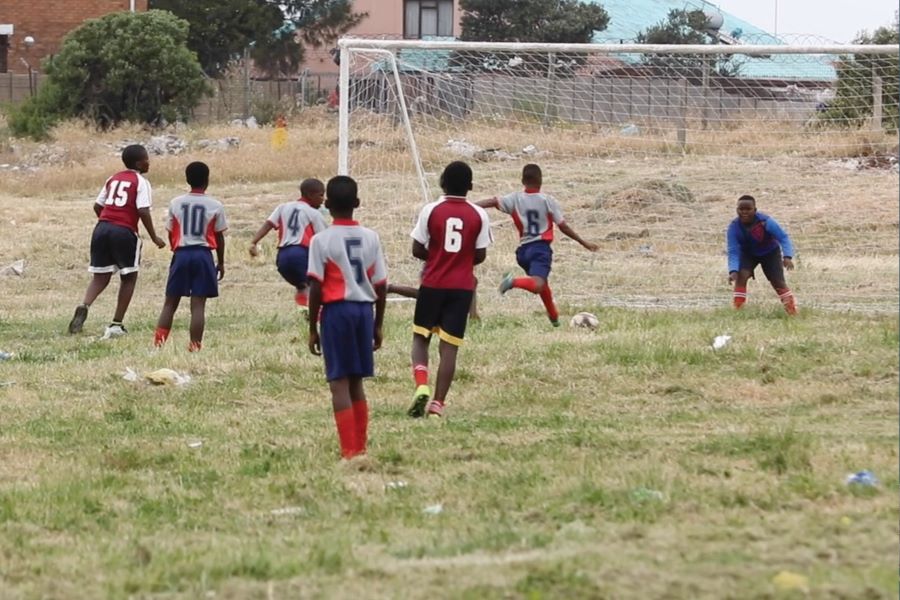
x,y
115,246
534,214
196,225
296,223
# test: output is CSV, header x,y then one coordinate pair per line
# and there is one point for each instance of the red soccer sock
x,y
195,346
525,283
301,299
787,299
361,419
420,374
740,296
547,299
346,427
160,337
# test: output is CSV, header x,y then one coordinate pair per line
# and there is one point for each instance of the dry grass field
x,y
629,462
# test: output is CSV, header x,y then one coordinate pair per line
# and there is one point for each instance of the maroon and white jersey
x,y
533,213
452,229
194,220
347,260
296,223
121,197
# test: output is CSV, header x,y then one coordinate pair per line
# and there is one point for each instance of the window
x,y
428,18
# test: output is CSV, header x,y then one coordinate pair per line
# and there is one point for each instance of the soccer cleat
x,y
78,320
113,331
506,283
435,409
554,322
420,401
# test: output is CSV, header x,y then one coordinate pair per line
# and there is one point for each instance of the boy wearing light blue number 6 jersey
x,y
196,225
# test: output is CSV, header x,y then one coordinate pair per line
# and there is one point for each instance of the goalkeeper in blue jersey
x,y
755,239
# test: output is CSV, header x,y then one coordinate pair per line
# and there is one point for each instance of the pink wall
x,y
385,20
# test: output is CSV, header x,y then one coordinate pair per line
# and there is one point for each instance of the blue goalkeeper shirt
x,y
762,237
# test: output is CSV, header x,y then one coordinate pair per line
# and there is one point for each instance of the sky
x,y
838,20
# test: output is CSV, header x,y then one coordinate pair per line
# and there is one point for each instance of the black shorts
x,y
444,312
772,264
114,248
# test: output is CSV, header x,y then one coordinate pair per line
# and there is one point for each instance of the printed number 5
x,y
350,244
453,235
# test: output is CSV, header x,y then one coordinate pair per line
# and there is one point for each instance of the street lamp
x,y
29,42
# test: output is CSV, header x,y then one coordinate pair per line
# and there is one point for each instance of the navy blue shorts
x,y
193,273
292,263
347,334
535,258
771,263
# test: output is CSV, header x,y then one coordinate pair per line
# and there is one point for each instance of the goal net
x,y
647,148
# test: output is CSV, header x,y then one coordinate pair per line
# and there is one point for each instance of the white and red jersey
x,y
347,260
121,197
194,220
296,223
533,213
452,228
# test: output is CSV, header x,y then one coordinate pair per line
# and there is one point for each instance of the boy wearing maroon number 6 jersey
x,y
115,246
347,276
196,225
451,236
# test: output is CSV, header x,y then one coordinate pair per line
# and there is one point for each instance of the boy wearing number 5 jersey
x,y
347,276
115,246
196,224
296,223
451,236
534,214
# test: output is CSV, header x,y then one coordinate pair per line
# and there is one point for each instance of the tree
x,y
122,67
550,21
682,27
546,21
852,103
273,32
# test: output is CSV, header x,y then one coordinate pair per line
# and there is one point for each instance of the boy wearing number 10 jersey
x,y
196,225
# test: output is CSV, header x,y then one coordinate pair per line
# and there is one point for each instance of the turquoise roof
x,y
629,17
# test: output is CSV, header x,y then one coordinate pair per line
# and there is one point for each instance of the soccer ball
x,y
586,320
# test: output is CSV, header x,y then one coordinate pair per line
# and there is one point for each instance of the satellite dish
x,y
714,21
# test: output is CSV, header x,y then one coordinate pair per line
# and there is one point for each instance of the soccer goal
x,y
648,147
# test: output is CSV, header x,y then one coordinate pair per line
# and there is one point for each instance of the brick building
x,y
46,22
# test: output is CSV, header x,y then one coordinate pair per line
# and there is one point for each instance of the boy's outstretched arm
x,y
480,255
260,234
489,203
564,227
787,248
98,208
314,304
380,298
147,220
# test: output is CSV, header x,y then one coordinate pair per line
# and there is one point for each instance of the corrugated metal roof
x,y
630,17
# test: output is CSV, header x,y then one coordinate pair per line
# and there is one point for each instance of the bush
x,y
122,67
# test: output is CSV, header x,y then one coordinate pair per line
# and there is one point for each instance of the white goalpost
x,y
647,146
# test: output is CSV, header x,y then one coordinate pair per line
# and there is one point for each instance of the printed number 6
x,y
453,235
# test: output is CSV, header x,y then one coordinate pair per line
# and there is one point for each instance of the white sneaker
x,y
114,331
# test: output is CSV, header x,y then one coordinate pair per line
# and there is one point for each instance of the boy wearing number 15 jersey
x,y
196,225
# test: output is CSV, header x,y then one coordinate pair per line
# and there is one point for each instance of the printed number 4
x,y
118,193
453,235
294,222
351,244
